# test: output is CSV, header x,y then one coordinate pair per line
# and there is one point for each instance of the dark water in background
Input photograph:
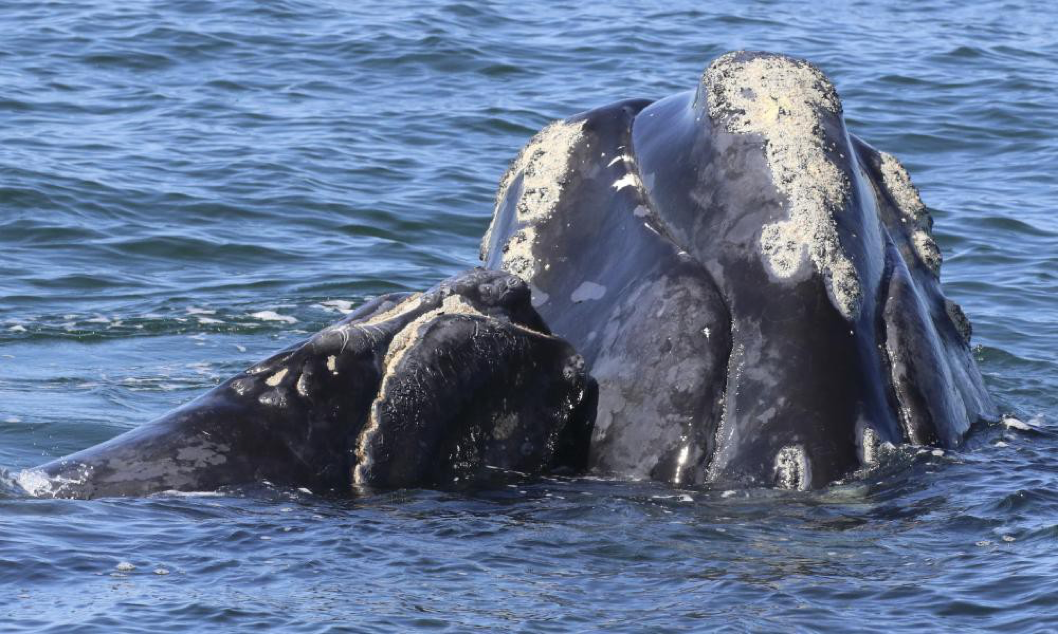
x,y
186,186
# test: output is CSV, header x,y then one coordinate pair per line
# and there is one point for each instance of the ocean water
x,y
186,186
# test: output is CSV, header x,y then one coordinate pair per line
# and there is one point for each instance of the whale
x,y
447,387
755,289
723,287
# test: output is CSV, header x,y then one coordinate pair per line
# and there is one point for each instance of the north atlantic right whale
x,y
755,289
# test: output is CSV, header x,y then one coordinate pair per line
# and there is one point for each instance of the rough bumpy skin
x,y
510,414
406,377
755,289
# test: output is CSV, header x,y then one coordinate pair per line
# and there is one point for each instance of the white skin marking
x,y
628,180
332,364
588,291
276,378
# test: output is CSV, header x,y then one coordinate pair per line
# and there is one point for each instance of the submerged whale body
x,y
409,390
755,289
723,286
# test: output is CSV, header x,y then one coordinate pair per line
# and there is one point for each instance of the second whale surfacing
x,y
409,390
755,289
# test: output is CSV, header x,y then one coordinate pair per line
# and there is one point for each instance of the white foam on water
x,y
34,482
190,494
271,315
1013,423
342,306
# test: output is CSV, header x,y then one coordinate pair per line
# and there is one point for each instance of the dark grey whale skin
x,y
781,367
660,377
473,390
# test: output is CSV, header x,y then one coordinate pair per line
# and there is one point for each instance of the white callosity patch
x,y
905,195
792,469
784,100
544,165
402,342
276,378
869,446
959,319
242,386
273,398
408,305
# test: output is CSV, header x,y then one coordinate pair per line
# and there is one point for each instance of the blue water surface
x,y
188,185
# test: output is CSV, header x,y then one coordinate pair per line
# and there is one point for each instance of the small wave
x,y
9,486
271,315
